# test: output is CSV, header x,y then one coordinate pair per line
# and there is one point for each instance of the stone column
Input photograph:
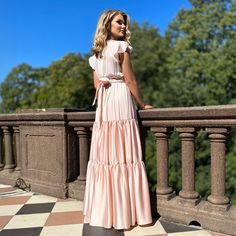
x,y
82,132
17,137
161,135
217,138
187,136
1,156
9,162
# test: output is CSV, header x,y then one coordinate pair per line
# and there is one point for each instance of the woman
x,y
116,193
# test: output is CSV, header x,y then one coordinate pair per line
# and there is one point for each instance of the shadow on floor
x,y
89,230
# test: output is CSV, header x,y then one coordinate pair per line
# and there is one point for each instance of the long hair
x,y
103,30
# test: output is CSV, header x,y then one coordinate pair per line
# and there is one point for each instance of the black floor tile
x,y
22,232
36,208
89,230
170,227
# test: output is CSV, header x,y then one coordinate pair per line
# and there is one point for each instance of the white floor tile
x,y
41,199
63,230
27,221
68,206
9,210
5,186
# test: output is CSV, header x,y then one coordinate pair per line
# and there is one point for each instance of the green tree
x,y
202,63
19,86
65,83
149,62
68,84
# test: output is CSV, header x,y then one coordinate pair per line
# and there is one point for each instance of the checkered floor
x,y
31,214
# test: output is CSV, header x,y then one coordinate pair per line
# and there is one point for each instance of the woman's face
x,y
118,27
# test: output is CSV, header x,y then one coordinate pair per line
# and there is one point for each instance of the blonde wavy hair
x,y
104,28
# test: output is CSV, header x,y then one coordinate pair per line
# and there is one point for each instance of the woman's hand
x,y
146,107
106,84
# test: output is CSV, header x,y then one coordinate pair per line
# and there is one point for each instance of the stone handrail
x,y
49,149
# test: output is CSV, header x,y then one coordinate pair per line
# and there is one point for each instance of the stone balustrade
x,y
49,149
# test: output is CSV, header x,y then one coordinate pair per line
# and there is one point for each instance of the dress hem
x,y
118,228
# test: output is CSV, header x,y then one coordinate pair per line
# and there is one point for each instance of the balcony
x,y
49,150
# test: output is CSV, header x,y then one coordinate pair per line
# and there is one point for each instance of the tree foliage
x,y
20,84
65,83
68,84
203,56
149,62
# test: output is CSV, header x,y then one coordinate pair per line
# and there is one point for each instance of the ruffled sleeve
x,y
92,61
124,47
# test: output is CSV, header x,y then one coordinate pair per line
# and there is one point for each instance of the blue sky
x,y
38,32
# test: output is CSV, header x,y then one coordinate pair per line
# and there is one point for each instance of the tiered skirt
x,y
117,193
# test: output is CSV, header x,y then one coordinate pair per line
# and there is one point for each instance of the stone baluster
x,y
187,136
1,156
82,133
162,135
17,138
217,138
9,161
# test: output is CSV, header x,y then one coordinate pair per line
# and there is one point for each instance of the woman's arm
x,y
95,79
130,80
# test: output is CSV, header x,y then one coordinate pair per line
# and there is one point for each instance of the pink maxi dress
x,y
116,193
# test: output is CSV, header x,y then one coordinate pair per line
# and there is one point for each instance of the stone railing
x,y
49,150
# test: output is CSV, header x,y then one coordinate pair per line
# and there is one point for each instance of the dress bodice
x,y
109,65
